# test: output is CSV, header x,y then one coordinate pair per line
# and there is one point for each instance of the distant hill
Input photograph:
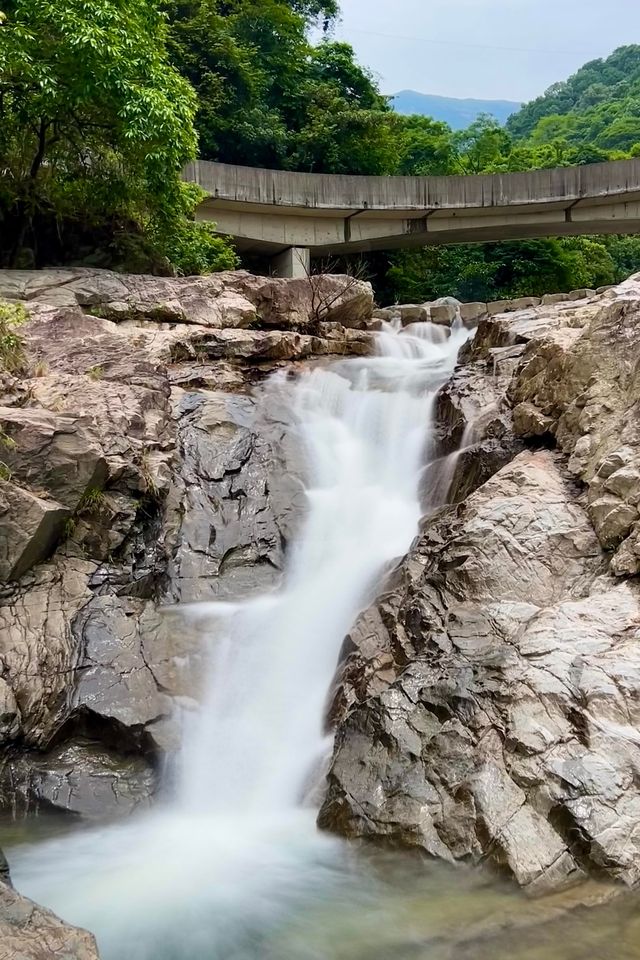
x,y
598,106
457,113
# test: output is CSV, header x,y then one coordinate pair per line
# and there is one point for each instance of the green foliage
x,y
502,270
345,125
6,441
69,528
268,97
95,128
599,106
12,316
593,117
426,146
189,246
102,102
91,502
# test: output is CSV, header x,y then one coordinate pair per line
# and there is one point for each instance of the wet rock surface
x,y
487,705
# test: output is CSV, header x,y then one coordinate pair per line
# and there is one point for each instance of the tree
x,y
425,147
345,124
482,146
268,97
493,271
95,123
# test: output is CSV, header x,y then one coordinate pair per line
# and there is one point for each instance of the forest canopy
x,y
103,102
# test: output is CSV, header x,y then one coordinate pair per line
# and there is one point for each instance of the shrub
x,y
12,316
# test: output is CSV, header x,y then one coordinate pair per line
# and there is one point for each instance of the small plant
x,y
6,441
91,502
95,373
41,369
5,472
12,316
145,469
69,528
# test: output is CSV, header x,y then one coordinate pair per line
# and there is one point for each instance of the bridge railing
x,y
318,191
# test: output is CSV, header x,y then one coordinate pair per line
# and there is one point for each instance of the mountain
x,y
599,106
457,113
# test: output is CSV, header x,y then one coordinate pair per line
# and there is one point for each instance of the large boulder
x,y
55,454
30,529
29,932
489,703
80,777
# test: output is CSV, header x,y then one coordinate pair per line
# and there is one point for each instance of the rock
x,y
260,346
83,778
626,562
487,705
525,303
406,313
30,529
243,496
498,306
580,381
512,306
582,294
307,301
54,455
486,714
473,412
234,299
444,313
29,932
135,494
549,299
528,421
38,650
471,313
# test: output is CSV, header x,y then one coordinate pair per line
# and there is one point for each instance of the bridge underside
x,y
270,231
273,213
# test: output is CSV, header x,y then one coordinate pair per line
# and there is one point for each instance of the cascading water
x,y
212,873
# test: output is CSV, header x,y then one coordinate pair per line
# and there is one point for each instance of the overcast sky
x,y
500,49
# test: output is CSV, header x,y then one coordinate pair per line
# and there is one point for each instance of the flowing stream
x,y
233,867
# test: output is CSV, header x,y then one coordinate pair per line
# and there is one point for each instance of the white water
x,y
211,874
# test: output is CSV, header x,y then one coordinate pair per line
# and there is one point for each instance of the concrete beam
x,y
294,262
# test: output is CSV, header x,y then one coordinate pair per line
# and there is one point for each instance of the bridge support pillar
x,y
294,262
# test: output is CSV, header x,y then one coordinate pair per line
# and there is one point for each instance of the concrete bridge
x,y
292,216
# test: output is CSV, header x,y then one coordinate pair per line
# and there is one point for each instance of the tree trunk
x,y
24,205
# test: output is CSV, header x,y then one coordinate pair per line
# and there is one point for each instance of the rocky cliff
x,y
488,706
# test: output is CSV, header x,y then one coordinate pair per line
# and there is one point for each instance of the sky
x,y
495,49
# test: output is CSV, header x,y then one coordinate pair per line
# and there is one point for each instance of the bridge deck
x,y
271,211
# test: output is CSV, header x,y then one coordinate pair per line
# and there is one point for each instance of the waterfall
x,y
206,874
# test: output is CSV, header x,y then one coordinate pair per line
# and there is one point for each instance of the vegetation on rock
x,y
12,358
